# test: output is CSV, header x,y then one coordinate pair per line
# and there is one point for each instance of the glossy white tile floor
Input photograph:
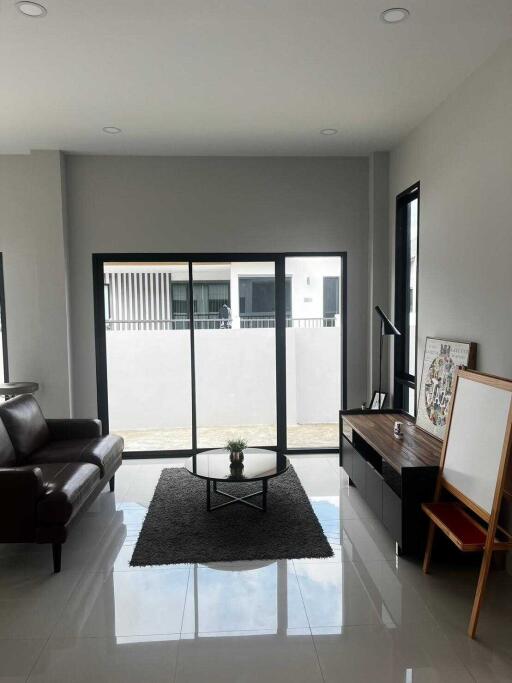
x,y
362,616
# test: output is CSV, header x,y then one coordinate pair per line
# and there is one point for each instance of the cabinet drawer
x,y
392,513
347,459
359,468
374,485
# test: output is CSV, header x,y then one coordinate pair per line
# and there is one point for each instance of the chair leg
x,y
112,483
57,554
480,589
428,549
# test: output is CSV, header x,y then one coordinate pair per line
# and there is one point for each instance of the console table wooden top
x,y
415,449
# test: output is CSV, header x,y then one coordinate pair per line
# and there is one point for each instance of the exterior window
x,y
331,296
209,297
406,271
257,297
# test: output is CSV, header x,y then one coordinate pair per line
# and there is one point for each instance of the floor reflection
x,y
361,615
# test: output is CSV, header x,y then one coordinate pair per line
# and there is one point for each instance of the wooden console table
x,y
394,476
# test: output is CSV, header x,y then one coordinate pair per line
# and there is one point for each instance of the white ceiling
x,y
234,77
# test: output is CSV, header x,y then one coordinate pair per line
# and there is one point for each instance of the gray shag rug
x,y
179,529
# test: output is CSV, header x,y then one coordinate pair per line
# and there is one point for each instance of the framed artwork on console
x,y
377,404
440,360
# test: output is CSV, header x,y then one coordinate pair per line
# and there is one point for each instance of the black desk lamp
x,y
386,329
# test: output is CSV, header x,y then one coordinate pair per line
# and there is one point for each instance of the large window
x,y
195,350
4,370
406,296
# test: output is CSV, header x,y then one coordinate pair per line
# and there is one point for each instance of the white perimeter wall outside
x,y
149,377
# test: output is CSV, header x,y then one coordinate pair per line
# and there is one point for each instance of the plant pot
x,y
236,456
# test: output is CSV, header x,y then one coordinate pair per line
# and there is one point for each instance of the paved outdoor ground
x,y
299,436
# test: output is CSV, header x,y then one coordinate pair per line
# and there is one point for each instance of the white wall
x,y
149,377
462,155
158,204
33,243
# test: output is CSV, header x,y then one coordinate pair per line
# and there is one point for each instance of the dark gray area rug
x,y
178,528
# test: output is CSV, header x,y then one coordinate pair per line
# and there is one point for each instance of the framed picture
x,y
378,400
441,359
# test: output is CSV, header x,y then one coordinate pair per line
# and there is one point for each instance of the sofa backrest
x,y
7,454
25,425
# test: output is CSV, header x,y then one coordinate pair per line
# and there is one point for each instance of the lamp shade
x,y
387,326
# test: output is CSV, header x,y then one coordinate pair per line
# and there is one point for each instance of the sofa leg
x,y
57,554
112,482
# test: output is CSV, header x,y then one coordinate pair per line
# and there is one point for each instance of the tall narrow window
x,y
4,369
406,296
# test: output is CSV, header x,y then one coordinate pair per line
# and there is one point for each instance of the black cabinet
x,y
374,489
359,468
392,514
394,490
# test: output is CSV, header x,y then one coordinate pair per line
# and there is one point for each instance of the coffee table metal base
x,y
236,499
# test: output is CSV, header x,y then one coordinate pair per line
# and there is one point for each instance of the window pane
x,y
235,356
263,293
148,355
331,296
313,352
412,253
411,400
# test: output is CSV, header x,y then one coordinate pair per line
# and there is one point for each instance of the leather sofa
x,y
50,471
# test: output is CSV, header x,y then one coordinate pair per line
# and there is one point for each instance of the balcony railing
x,y
208,323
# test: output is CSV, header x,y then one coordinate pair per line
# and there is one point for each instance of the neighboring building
x,y
156,296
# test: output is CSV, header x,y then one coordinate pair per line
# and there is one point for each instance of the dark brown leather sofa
x,y
50,471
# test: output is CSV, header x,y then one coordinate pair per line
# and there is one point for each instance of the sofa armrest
x,y
20,490
72,428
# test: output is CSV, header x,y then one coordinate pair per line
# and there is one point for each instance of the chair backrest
x,y
25,425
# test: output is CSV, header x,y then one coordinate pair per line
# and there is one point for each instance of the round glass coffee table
x,y
217,466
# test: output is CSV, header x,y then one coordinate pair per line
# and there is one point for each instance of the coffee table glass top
x,y
257,464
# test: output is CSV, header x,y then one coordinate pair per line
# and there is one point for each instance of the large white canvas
x,y
475,442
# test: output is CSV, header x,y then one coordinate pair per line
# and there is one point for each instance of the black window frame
x,y
278,258
3,323
403,380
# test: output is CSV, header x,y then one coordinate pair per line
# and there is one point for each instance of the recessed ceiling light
x,y
328,131
111,130
31,9
394,15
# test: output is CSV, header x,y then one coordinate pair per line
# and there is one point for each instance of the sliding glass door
x,y
235,352
194,351
314,351
148,356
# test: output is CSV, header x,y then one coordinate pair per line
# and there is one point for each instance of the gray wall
x,y
141,204
378,268
33,242
462,155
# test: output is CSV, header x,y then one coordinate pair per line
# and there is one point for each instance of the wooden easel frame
x,y
491,542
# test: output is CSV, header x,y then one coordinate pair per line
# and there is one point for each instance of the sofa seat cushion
x,y
25,425
103,451
67,488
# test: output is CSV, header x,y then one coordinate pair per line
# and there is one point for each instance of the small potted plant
x,y
236,449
